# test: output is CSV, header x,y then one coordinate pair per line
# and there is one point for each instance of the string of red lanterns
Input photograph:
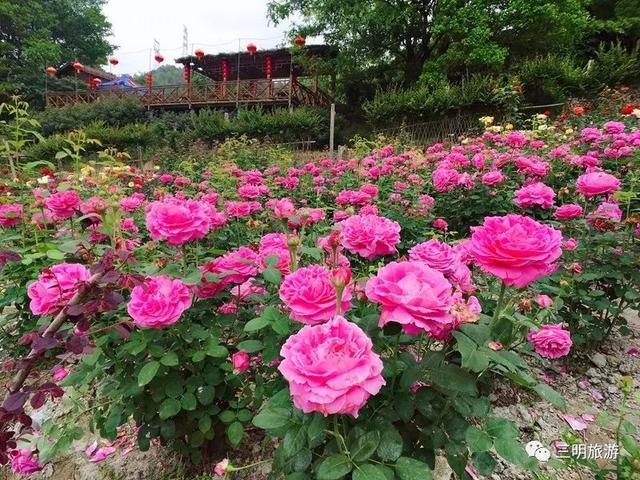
x,y
251,48
299,41
114,61
199,53
52,71
78,67
159,58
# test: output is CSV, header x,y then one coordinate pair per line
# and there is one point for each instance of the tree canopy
x,y
37,33
406,40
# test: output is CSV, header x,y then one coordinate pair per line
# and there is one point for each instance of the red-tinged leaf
x,y
38,400
40,344
112,276
14,402
56,392
75,310
27,338
122,331
77,343
113,299
25,419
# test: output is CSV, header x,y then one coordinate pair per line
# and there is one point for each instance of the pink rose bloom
x,y
412,294
93,205
568,211
516,139
275,244
241,209
221,467
24,462
235,267
445,178
10,214
132,202
178,221
570,244
165,178
597,183
544,301
60,373
515,248
158,302
437,255
283,208
603,216
614,127
247,289
535,194
331,368
56,286
63,204
311,296
493,178
440,224
551,341
370,235
240,361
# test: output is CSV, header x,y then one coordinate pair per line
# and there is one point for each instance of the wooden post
x,y
291,83
238,80
332,124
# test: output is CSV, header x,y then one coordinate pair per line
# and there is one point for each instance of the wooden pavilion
x,y
267,78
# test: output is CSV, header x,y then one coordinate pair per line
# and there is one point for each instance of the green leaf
x,y
364,446
390,446
549,394
501,428
192,278
411,469
315,430
477,440
272,275
148,372
334,467
512,451
256,324
294,440
368,472
189,401
484,463
169,408
452,377
169,359
227,416
235,432
250,346
215,350
55,254
273,417
204,424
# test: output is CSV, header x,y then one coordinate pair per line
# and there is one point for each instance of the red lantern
x,y
199,53
251,48
149,80
299,41
95,82
113,61
159,58
52,71
268,66
187,73
225,70
78,67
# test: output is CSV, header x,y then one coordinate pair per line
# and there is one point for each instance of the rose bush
x,y
359,310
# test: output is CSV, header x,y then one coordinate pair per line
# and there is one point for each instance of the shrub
x,y
614,65
550,79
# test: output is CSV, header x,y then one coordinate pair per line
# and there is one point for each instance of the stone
x,y
442,470
599,360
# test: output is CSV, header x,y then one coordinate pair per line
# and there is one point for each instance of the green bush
x,y
550,78
114,112
614,65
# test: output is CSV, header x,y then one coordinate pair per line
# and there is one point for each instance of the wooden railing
x,y
229,93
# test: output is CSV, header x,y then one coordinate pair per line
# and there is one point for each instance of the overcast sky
x,y
213,25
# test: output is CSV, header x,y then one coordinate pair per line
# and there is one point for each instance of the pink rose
x,y
240,361
568,211
515,248
235,267
535,194
597,183
63,204
241,209
60,373
570,244
544,301
55,287
412,294
440,224
370,235
132,202
275,244
10,214
158,302
311,296
178,221
551,341
24,462
331,368
493,178
437,255
283,208
221,467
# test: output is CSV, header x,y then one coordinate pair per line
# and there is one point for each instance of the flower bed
x,y
359,310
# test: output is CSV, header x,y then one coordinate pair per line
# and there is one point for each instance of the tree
x,y
37,33
405,39
163,75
